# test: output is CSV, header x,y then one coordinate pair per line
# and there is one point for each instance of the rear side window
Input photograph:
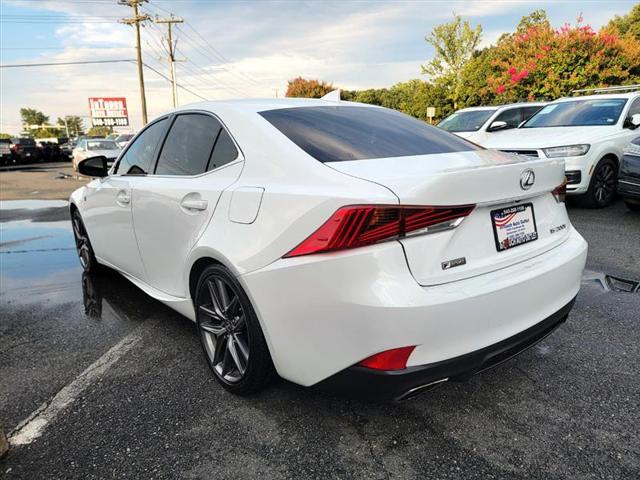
x,y
189,145
335,134
138,158
224,152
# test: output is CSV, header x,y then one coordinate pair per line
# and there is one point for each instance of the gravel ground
x,y
568,408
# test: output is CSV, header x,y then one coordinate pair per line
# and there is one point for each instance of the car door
x,y
107,209
171,208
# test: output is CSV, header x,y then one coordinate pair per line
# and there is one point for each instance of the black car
x,y
23,149
629,176
5,151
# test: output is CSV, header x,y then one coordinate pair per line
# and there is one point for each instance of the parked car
x,y
23,149
5,151
124,138
629,178
348,246
588,132
477,123
66,146
94,147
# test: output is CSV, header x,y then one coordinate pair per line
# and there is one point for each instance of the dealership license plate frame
x,y
518,208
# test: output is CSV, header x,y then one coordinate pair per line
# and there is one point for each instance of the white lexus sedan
x,y
339,245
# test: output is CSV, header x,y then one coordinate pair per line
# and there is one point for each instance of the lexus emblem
x,y
527,179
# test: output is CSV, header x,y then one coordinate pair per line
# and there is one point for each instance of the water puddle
x,y
37,253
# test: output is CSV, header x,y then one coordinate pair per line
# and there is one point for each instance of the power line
x,y
168,79
224,59
214,79
88,62
100,47
208,51
215,63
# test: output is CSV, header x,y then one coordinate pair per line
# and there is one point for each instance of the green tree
x,y
31,116
46,132
540,62
454,44
73,123
100,131
537,18
5,135
628,24
302,87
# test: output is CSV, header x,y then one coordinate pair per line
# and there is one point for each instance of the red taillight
x,y
359,225
560,192
15,147
395,359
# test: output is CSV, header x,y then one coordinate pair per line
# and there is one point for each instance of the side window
x,y
224,152
189,145
138,158
634,108
528,112
511,117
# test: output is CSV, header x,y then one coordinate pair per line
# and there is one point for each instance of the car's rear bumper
x,y
324,313
375,385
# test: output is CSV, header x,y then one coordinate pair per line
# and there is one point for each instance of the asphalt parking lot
x,y
111,383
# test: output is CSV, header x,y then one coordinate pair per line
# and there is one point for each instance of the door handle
x,y
123,198
192,204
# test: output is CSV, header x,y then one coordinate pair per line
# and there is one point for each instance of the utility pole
x,y
171,50
136,20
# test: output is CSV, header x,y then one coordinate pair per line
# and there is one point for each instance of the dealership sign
x,y
108,111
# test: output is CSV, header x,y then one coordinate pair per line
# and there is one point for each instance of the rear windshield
x,y
469,121
336,134
25,141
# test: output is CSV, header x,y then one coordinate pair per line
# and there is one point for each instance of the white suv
x,y
478,123
588,132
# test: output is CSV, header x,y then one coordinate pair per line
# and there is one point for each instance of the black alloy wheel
x,y
230,333
603,186
83,245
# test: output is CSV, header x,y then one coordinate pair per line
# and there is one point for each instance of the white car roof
x,y
600,96
507,105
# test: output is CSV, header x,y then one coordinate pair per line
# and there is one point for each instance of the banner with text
x,y
108,112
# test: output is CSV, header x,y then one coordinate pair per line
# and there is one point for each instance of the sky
x,y
234,48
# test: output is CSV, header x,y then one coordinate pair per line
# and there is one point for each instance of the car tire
x,y
603,185
230,333
83,244
633,206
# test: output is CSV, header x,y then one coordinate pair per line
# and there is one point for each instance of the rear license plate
x,y
514,226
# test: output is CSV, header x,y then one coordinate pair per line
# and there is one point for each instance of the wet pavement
x,y
567,408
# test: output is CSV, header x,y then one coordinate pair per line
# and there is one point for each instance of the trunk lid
x,y
488,179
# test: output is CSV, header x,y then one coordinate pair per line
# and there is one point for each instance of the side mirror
x,y
634,121
94,167
497,125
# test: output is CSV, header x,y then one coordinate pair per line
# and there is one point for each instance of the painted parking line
x,y
34,425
